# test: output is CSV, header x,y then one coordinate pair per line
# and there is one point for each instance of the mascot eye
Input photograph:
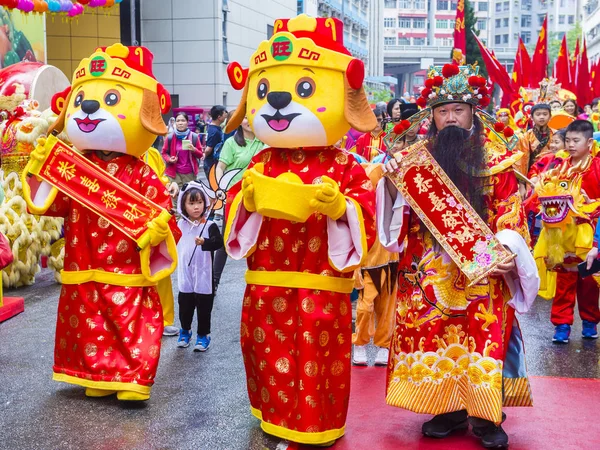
x,y
263,88
112,97
79,99
305,87
563,184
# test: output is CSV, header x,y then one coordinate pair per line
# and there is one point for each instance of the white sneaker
x,y
382,357
170,330
359,356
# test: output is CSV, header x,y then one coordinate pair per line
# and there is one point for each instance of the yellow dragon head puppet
x,y
303,88
114,103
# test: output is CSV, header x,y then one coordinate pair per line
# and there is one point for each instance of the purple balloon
x,y
25,5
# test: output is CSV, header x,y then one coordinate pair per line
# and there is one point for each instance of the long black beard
x,y
462,157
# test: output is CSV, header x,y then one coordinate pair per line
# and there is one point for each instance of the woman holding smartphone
x,y
181,151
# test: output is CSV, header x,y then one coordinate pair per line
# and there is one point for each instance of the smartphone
x,y
582,267
186,144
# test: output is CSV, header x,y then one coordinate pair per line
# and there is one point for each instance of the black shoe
x,y
444,424
491,435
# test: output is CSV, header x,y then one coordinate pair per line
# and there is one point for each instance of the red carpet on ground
x,y
565,416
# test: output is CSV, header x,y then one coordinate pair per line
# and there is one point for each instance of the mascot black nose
x,y
279,100
90,106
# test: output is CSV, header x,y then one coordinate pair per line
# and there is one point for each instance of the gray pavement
x,y
199,400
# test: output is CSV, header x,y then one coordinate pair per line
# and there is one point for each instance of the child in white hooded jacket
x,y
195,279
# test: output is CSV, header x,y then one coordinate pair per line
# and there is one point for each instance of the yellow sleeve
x,y
154,159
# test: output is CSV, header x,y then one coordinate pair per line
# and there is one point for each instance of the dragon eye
x,y
305,87
563,184
263,88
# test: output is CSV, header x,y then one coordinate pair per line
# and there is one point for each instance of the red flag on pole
x,y
562,71
583,78
540,59
522,67
497,73
459,52
573,63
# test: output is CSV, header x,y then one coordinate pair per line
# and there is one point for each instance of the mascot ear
x,y
59,104
150,114
238,78
357,111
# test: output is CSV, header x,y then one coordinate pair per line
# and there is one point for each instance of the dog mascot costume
x,y
110,323
303,217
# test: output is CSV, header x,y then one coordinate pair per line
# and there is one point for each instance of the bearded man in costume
x,y
457,350
303,217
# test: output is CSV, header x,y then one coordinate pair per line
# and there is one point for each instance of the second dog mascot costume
x,y
303,217
109,326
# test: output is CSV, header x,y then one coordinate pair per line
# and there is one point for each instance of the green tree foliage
x,y
554,42
379,95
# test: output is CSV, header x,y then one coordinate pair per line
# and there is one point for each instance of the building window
x,y
561,19
404,22
498,7
389,41
442,5
505,38
526,5
505,22
403,41
506,6
418,80
405,4
562,3
481,24
419,23
525,21
571,20
498,23
418,41
483,6
390,4
441,24
389,22
498,39
419,4
560,35
445,42
526,36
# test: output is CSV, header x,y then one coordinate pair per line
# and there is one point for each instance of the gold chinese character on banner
x,y
438,203
109,199
92,185
422,184
66,170
133,213
449,219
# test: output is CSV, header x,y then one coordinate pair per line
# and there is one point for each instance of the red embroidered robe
x,y
109,326
296,317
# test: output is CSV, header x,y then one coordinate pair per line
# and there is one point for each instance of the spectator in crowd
x,y
235,154
570,107
181,151
214,139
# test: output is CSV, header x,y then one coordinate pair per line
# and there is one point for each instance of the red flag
x,y
595,79
522,67
583,93
540,59
497,73
562,71
573,62
459,53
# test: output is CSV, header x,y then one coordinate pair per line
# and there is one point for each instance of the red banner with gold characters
x,y
459,52
447,215
74,175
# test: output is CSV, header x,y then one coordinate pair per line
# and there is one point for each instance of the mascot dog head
x,y
303,89
114,103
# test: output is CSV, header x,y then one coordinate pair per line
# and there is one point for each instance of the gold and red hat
x,y
454,84
304,41
121,64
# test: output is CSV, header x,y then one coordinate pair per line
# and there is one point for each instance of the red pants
x,y
569,286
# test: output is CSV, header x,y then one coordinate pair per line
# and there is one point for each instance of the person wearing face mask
x,y
437,312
